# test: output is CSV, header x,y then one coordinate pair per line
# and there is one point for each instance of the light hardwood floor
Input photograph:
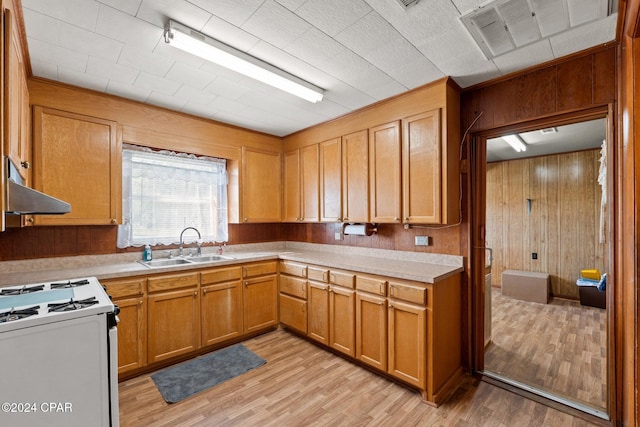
x,y
560,346
304,385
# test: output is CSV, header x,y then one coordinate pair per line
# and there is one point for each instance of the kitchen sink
x,y
209,258
165,262
168,262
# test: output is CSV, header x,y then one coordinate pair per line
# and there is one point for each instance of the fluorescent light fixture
x,y
515,142
215,51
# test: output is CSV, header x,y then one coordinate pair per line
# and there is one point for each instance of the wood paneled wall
x,y
563,225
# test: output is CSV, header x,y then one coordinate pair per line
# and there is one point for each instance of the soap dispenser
x,y
147,255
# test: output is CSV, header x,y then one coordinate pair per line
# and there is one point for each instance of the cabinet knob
x,y
345,219
140,302
195,293
245,219
204,292
30,220
396,219
406,218
25,165
114,221
381,303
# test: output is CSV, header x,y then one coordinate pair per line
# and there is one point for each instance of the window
x,y
163,192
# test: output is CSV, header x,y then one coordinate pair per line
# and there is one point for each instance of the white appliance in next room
x,y
58,355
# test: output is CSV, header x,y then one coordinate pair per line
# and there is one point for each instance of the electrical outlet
x,y
337,235
422,240
534,255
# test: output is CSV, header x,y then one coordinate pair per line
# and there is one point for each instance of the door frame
x,y
477,188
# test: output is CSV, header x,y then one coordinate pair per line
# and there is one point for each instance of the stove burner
x,y
12,314
22,290
72,305
69,284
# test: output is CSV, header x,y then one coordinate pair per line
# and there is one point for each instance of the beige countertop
x,y
429,268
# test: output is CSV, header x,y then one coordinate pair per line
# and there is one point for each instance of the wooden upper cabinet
x,y
261,185
331,180
421,168
78,159
301,185
17,122
355,176
385,178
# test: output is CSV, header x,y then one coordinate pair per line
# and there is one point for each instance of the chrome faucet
x,y
199,238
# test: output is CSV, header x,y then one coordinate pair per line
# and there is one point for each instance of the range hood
x,y
22,200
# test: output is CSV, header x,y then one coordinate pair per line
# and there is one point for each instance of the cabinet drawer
x,y
294,286
259,269
293,268
318,274
412,292
124,288
220,275
374,285
173,281
342,278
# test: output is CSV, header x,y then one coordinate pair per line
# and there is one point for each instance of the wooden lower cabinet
x,y
130,296
260,303
221,305
408,343
293,313
342,320
318,319
173,316
371,330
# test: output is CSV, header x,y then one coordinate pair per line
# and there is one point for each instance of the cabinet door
x,y
291,196
407,343
342,320
318,325
331,180
261,185
260,303
132,334
355,176
422,168
309,184
384,173
78,159
174,324
371,330
221,308
293,313
16,118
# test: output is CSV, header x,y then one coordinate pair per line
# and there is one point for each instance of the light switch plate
x,y
337,235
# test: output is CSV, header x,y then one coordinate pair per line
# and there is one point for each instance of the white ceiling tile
x,y
74,77
235,12
83,41
110,70
195,96
585,36
158,13
466,6
226,88
275,24
163,100
368,34
83,13
127,29
225,32
44,69
156,84
195,109
315,47
333,16
292,5
58,55
127,6
42,27
143,61
173,54
530,55
192,77
127,91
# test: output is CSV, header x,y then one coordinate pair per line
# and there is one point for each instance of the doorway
x,y
540,213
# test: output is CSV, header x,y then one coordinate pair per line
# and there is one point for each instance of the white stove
x,y
36,304
58,355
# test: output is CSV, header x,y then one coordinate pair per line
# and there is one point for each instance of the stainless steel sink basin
x,y
168,262
209,258
165,262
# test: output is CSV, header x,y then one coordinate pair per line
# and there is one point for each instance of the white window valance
x,y
163,192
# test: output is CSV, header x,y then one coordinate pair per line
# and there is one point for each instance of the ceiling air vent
x,y
407,3
504,25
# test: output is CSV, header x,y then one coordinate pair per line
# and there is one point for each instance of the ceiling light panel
x,y
552,16
520,21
